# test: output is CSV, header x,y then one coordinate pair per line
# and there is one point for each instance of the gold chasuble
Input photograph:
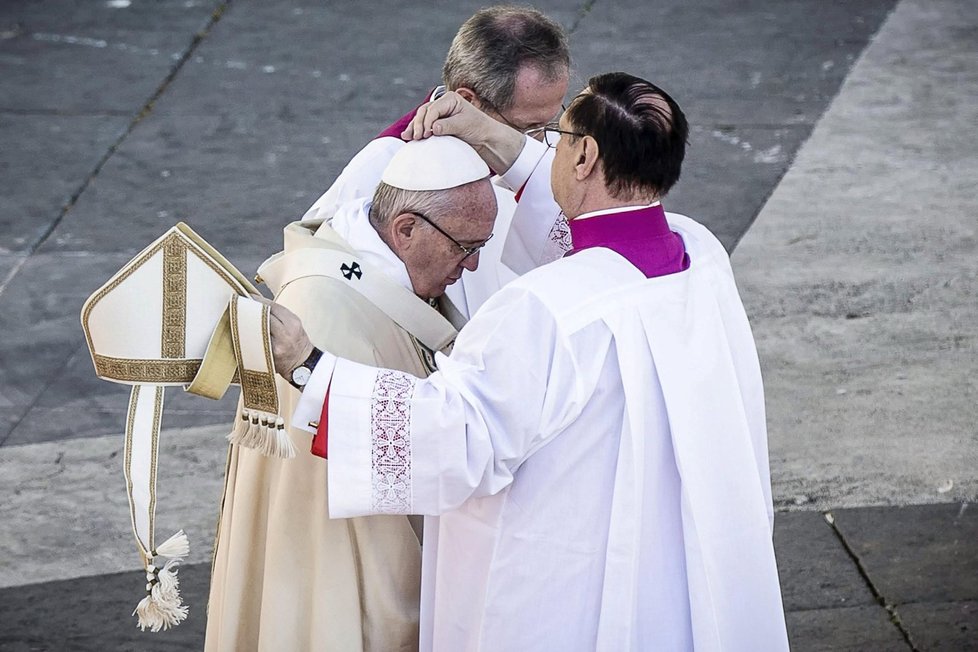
x,y
286,576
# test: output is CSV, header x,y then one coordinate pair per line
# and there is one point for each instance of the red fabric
x,y
320,441
519,193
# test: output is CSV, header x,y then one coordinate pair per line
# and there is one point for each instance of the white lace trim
x,y
390,427
558,240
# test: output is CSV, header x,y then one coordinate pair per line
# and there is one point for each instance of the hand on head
x,y
449,115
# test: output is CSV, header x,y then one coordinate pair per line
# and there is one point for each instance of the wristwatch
x,y
301,374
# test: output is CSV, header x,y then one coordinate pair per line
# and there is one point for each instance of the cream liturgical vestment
x,y
286,576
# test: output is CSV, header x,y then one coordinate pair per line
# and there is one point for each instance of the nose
x,y
471,263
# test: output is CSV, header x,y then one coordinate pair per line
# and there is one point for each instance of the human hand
x,y
449,115
290,343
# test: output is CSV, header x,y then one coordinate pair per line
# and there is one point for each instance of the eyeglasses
x,y
468,251
506,121
550,132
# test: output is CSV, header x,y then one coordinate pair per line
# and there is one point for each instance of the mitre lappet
x,y
180,314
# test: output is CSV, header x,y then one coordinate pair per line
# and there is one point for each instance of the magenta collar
x,y
642,236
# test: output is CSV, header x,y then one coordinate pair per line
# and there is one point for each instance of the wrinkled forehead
x,y
473,211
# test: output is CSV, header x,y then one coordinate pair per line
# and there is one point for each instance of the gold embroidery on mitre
x,y
174,297
146,371
154,458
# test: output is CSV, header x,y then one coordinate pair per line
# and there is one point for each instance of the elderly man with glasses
x,y
513,64
368,282
285,580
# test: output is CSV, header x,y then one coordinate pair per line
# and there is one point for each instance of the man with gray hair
x,y
366,282
512,63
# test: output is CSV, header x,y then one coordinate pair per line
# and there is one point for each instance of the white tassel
x,y
277,442
237,435
162,607
264,433
176,547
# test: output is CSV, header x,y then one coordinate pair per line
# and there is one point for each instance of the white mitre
x,y
179,313
435,163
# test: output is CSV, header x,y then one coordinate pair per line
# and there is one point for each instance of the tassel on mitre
x,y
264,433
162,608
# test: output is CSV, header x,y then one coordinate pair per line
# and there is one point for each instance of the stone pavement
x,y
825,125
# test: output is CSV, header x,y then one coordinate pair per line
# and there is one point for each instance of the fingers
x,y
426,121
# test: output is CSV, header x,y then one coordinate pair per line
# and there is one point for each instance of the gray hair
x,y
390,202
495,43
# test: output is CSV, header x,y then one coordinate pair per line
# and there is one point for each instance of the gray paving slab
x,y
64,497
816,571
920,553
73,75
732,84
849,629
283,115
45,160
860,275
122,68
942,626
39,316
7,264
93,615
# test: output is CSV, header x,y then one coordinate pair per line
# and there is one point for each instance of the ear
x,y
402,231
469,96
587,156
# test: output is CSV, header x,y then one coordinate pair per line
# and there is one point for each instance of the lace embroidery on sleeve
x,y
558,241
390,427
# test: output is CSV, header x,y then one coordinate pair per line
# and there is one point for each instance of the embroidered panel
x,y
259,390
559,239
129,370
174,297
390,427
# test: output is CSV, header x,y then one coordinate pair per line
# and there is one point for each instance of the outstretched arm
x,y
450,115
401,444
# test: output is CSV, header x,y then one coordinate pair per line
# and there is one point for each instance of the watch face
x,y
300,376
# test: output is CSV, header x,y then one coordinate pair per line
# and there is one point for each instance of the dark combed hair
x,y
640,130
495,43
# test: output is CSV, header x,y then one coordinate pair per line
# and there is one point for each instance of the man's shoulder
x,y
698,240
567,285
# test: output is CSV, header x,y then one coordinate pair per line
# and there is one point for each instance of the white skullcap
x,y
435,163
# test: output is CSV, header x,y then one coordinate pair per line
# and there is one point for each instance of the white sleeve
x,y
400,444
538,233
358,180
310,405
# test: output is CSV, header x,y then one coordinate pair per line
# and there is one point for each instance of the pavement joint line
x,y
54,377
828,105
582,13
59,112
13,272
880,598
145,110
